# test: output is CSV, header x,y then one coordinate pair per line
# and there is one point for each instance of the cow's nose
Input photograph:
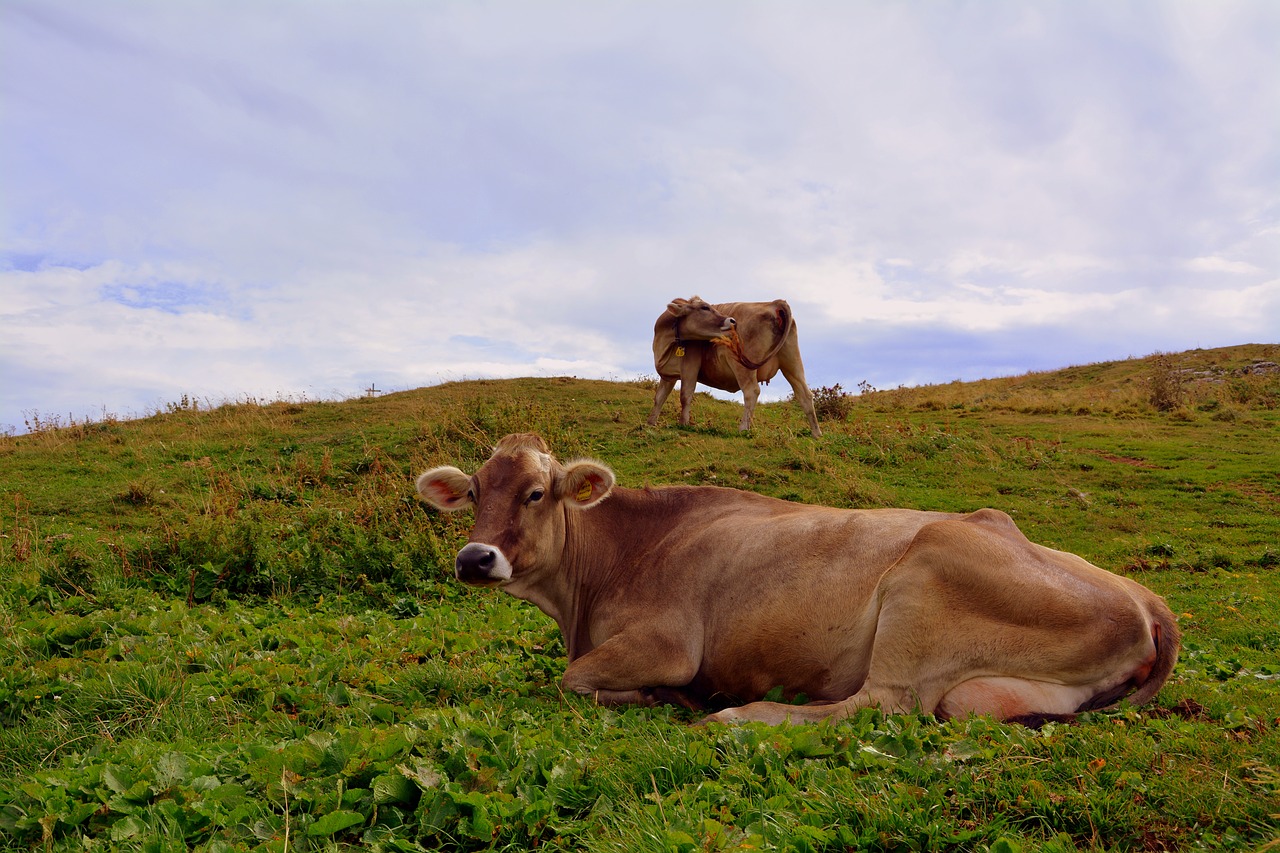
x,y
474,560
732,323
477,563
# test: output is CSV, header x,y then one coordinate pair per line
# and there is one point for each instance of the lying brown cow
x,y
703,596
733,346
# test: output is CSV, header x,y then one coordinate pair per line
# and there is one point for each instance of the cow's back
x,y
801,592
732,565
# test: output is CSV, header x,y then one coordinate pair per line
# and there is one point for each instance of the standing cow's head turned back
x,y
520,497
697,320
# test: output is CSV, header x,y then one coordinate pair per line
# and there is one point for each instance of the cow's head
x,y
520,497
696,320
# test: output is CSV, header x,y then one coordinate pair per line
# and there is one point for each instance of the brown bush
x,y
1166,384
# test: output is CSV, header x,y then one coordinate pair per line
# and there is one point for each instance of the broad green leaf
x,y
424,775
117,778
130,826
335,822
680,842
171,770
962,750
78,813
394,788
809,742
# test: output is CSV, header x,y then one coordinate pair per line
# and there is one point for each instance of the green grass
x,y
236,629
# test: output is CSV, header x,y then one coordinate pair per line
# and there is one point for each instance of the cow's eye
x,y
535,496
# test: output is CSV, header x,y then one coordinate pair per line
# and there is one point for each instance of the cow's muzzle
x,y
482,565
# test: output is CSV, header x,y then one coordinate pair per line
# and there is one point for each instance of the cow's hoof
x,y
728,716
672,696
769,713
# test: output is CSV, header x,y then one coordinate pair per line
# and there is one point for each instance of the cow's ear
x,y
445,488
584,484
679,307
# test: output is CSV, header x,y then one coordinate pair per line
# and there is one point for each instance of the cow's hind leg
x,y
750,395
800,389
973,619
776,713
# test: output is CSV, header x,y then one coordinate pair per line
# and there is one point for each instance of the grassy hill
x,y
235,627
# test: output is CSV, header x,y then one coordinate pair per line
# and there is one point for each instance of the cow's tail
x,y
1167,639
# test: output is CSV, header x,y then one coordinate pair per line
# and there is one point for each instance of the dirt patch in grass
x,y
1124,460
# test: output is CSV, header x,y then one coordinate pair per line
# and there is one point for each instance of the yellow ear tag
x,y
679,352
584,492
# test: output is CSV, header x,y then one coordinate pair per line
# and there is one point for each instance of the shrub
x,y
1166,384
831,403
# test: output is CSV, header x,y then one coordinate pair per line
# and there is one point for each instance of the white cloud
x,y
854,294
1217,264
270,198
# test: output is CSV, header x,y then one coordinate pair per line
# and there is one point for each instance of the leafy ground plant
x,y
234,628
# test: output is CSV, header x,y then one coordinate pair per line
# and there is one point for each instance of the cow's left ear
x,y
445,488
584,484
680,307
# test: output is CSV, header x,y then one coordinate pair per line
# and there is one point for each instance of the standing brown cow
x,y
733,346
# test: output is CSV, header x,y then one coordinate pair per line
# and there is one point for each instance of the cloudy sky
x,y
297,199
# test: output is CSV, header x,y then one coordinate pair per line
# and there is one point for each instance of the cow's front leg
x,y
686,401
665,384
688,385
648,698
634,668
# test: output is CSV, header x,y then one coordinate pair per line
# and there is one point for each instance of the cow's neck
x,y
677,349
601,549
548,589
593,554
566,590
605,547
